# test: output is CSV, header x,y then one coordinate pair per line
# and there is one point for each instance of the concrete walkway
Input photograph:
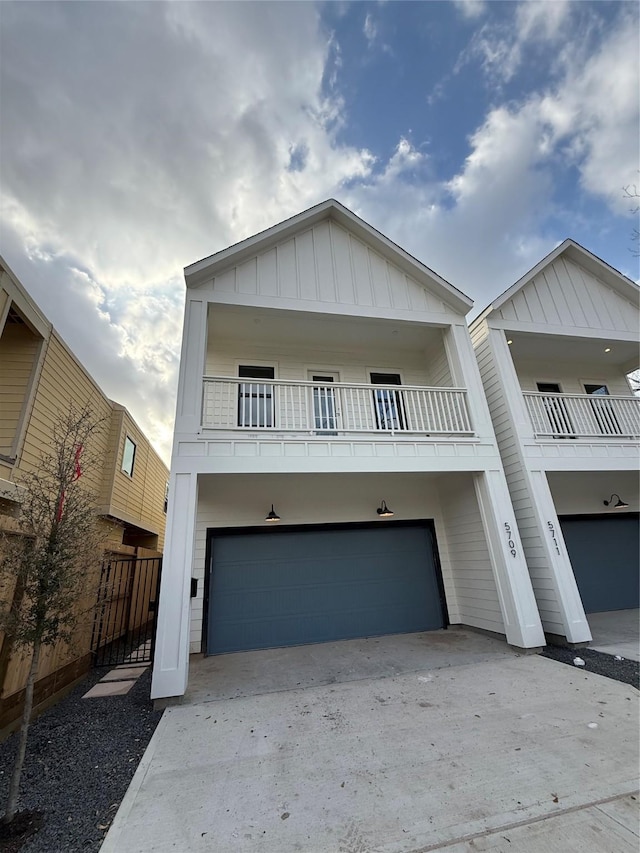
x,y
509,753
616,633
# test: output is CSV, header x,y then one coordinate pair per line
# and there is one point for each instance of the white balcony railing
x,y
584,415
332,409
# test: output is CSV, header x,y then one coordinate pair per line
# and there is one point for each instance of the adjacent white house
x,y
335,471
554,352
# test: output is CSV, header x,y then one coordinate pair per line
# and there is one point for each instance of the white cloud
x,y
370,29
502,48
596,113
542,19
484,227
140,137
470,9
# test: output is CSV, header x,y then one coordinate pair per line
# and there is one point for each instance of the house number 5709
x,y
510,542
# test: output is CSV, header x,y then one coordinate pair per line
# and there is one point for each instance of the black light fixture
x,y
384,511
273,515
620,504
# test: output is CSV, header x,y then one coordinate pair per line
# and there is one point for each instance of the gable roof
x,y
200,271
618,282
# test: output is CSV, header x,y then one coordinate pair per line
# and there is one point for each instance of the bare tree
x,y
49,563
631,192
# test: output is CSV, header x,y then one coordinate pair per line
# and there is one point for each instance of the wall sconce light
x,y
620,504
273,515
384,511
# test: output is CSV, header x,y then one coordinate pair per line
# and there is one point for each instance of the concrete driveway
x,y
501,752
616,632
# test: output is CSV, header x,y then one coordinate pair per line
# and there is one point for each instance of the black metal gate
x,y
124,627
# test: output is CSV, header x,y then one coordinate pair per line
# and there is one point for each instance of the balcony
x,y
336,409
583,416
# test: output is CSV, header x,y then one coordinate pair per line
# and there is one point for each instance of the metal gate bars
x,y
124,626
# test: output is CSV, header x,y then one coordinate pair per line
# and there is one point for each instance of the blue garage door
x,y
289,588
604,553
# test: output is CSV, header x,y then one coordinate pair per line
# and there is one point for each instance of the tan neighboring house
x,y
39,378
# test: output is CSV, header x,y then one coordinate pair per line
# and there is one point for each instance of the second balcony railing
x,y
584,415
333,409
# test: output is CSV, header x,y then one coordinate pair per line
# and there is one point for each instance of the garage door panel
x,y
284,630
351,598
604,553
282,589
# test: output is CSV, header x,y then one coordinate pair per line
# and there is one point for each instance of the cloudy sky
x,y
139,137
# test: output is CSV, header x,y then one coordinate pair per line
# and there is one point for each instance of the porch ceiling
x,y
210,486
537,347
264,326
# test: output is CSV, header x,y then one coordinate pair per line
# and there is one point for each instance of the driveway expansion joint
x,y
525,822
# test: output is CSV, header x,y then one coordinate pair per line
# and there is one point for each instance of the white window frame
x,y
129,474
265,383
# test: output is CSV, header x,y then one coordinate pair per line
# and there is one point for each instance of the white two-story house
x,y
335,472
554,352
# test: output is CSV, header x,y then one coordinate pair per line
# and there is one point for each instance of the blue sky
x,y
137,138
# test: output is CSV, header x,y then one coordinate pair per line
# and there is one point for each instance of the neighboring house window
x,y
129,456
166,497
389,407
255,399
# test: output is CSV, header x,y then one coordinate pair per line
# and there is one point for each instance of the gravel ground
x,y
81,756
627,671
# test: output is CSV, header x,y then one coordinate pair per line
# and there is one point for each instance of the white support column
x,y
465,374
568,601
517,601
171,665
192,365
535,500
506,372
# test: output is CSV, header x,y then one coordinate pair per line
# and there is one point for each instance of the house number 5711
x,y
510,542
552,531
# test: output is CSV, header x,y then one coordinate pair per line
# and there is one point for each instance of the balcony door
x,y
255,398
556,410
388,404
603,410
325,412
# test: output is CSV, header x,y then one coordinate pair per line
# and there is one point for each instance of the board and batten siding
x,y
477,599
327,264
565,295
243,500
520,488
